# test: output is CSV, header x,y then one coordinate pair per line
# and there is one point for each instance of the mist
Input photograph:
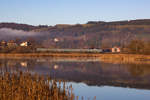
x,y
7,34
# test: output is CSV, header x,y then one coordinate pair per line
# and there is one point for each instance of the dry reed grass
x,y
24,86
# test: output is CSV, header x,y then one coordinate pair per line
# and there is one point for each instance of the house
x,y
3,44
56,40
12,44
115,50
24,44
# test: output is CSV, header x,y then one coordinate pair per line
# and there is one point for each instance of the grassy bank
x,y
49,55
102,57
125,58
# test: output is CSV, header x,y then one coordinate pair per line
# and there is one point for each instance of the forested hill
x,y
27,27
90,35
126,22
24,27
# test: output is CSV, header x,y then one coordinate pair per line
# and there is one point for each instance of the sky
x,y
52,12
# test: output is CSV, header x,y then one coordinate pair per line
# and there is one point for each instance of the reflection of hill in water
x,y
89,72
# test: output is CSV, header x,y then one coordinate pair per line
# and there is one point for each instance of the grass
x,y
24,86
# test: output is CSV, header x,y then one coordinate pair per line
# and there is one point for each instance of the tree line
x,y
137,47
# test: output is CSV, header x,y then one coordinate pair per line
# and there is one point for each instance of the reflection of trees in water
x,y
10,65
91,73
139,70
104,74
88,68
136,70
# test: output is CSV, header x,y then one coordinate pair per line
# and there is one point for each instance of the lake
x,y
89,77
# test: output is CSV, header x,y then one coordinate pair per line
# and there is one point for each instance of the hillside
x,y
90,35
24,27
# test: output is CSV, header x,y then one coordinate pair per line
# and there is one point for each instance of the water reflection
x,y
89,71
24,64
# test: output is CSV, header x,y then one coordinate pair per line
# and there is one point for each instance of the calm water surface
x,y
90,77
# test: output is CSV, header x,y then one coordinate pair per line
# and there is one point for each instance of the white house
x,y
56,40
24,44
115,50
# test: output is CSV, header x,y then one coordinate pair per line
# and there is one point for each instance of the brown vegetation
x,y
24,86
138,47
90,35
17,49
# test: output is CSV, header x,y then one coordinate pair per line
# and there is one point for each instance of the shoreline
x,y
106,58
136,57
49,55
103,55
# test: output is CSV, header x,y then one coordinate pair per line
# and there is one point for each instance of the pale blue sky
x,y
53,12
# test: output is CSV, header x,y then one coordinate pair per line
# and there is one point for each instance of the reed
x,y
24,86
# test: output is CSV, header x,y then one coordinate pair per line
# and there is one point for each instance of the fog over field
x,y
7,34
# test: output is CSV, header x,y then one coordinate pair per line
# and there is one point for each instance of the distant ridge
x,y
17,26
125,22
26,27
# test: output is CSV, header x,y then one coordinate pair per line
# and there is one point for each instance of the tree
x,y
136,46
